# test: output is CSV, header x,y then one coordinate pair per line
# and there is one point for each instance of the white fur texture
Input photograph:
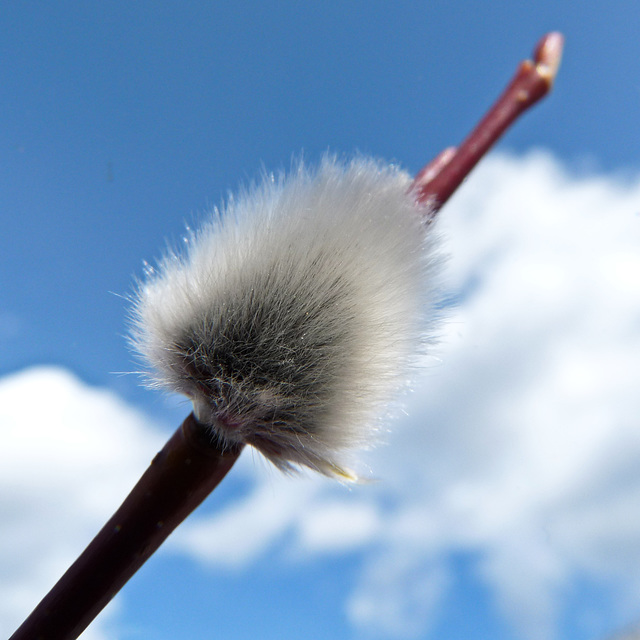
x,y
293,314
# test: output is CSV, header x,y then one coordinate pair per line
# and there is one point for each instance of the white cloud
x,y
523,445
401,591
337,525
248,528
70,454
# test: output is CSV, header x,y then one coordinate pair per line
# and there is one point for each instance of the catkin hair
x,y
294,312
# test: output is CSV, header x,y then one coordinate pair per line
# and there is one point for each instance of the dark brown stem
x,y
180,477
436,182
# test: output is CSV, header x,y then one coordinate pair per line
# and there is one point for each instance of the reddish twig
x,y
436,182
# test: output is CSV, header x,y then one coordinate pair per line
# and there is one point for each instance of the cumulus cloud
x,y
70,454
522,446
246,529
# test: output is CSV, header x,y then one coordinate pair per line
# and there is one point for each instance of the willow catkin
x,y
294,312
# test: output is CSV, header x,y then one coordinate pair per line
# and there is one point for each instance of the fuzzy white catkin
x,y
294,313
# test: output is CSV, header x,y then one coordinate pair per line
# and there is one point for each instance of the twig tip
x,y
548,55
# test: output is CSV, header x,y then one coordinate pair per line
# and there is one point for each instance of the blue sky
x,y
123,122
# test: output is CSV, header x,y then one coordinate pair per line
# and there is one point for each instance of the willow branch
x,y
180,477
436,182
